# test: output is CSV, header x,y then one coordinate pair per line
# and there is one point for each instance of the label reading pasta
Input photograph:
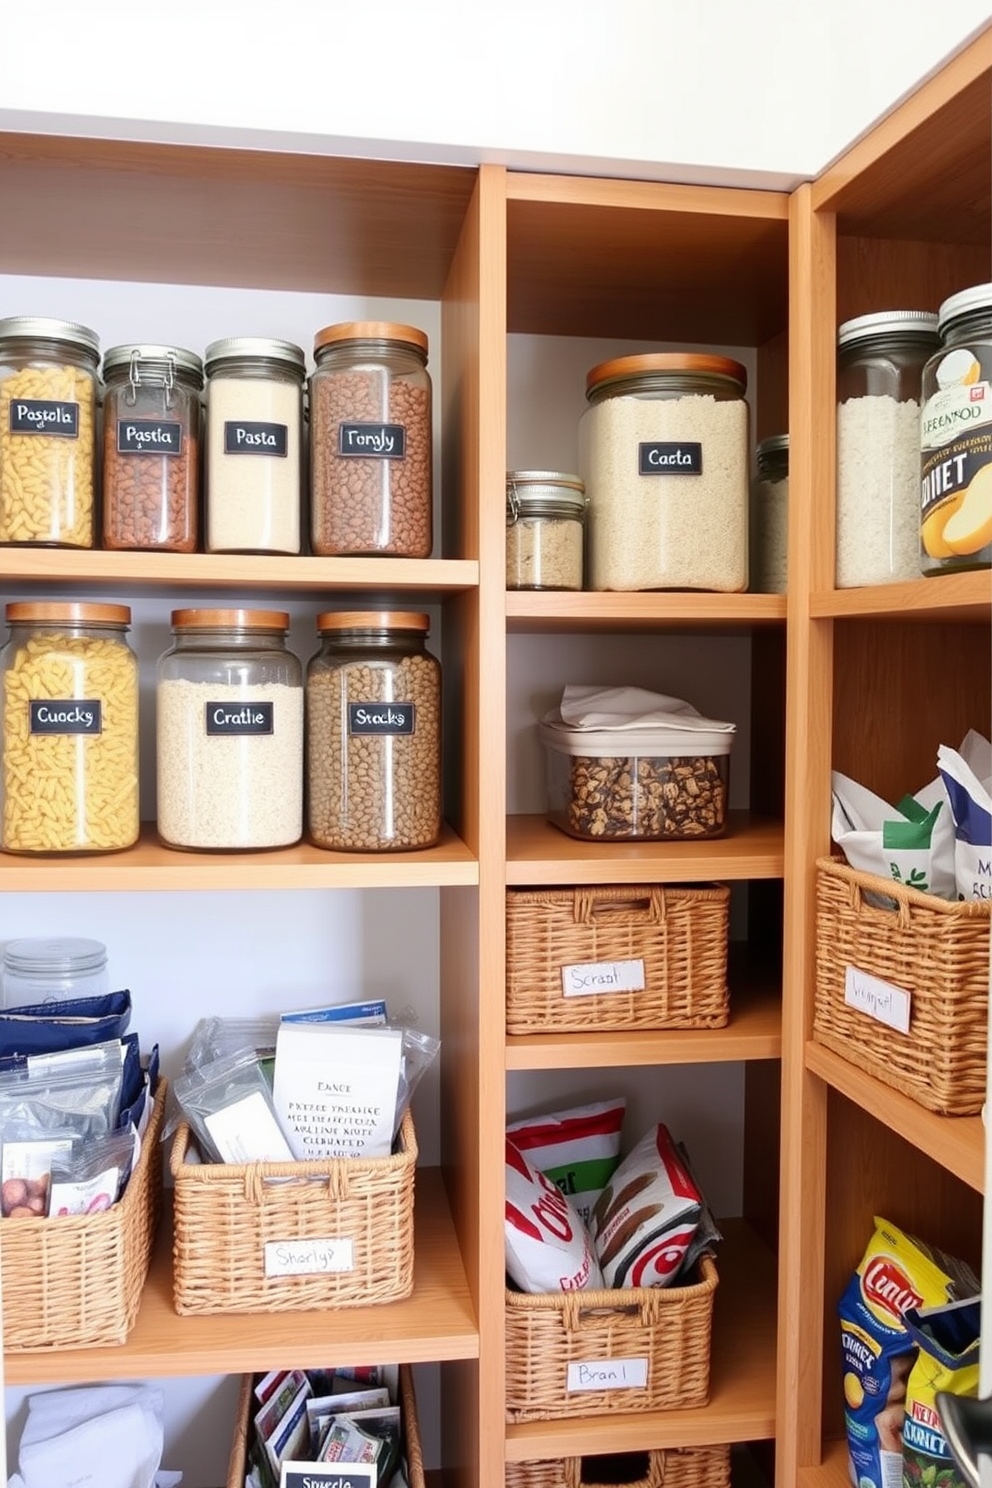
x,y
373,441
255,437
670,459
381,718
149,437
66,716
239,718
44,416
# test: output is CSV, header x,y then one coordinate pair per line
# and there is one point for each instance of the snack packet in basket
x,y
578,1149
647,1216
547,1246
948,1340
967,776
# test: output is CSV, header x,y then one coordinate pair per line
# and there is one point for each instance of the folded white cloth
x,y
107,1436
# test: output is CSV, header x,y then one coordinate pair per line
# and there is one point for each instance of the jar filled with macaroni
x,y
70,729
48,400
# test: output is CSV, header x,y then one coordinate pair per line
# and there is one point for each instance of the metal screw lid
x,y
549,492
772,445
40,327
978,297
882,323
245,348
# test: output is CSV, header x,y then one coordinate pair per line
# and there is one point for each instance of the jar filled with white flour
x,y
229,732
663,451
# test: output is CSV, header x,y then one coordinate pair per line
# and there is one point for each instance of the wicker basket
x,y
76,1281
936,951
679,933
667,1327
226,1214
679,1467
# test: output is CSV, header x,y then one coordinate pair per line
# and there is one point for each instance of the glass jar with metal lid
x,y
373,734
70,729
254,445
545,516
229,732
151,448
664,458
48,400
769,537
880,359
956,438
371,441
52,969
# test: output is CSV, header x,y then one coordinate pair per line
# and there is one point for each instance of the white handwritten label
x,y
308,1257
608,1374
597,977
880,1000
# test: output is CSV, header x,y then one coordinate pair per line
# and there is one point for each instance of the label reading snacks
x,y
255,437
66,716
670,459
373,441
44,416
593,978
381,718
149,437
608,1374
239,718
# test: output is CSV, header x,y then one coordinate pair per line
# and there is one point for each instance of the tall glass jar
x,y
70,729
48,400
254,445
545,516
151,448
371,441
373,734
229,732
769,540
664,457
880,359
956,438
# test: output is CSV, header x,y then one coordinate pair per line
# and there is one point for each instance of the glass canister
x,y
664,458
70,729
545,516
48,399
53,969
151,448
254,445
371,441
880,359
956,438
769,540
229,732
373,734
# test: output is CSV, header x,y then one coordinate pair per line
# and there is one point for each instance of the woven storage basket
x,y
77,1281
681,1467
669,1327
679,933
225,1215
935,950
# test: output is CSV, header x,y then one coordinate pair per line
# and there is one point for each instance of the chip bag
x,y
947,1339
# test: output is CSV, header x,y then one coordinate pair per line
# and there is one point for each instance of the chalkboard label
x,y
239,718
253,437
381,718
149,437
44,416
669,459
66,716
372,441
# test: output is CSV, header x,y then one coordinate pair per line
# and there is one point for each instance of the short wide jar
x,y
545,516
373,734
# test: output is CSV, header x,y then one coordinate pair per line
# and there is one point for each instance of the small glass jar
x,y
151,448
254,445
956,438
373,734
664,458
545,513
70,729
229,732
371,441
48,400
51,970
880,359
769,541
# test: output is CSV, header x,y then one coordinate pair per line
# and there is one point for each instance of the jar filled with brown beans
x,y
370,441
151,447
373,734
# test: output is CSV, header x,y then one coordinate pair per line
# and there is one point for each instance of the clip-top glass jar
x,y
373,734
70,729
48,398
956,438
151,448
254,445
880,359
371,441
230,732
769,540
545,513
52,969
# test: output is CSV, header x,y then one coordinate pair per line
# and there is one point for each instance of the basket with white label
x,y
617,958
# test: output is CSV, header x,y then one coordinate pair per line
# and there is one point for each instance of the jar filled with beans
x,y
371,441
70,729
373,737
48,399
151,444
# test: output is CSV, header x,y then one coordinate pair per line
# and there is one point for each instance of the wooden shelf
x,y
557,610
437,1322
538,853
832,1471
957,1143
742,1380
964,596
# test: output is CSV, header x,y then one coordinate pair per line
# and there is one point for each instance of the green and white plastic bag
x,y
912,843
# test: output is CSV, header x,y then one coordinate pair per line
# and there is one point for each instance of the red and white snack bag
x,y
646,1217
548,1248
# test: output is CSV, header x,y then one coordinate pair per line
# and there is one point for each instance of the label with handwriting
x,y
880,1000
309,1257
608,1374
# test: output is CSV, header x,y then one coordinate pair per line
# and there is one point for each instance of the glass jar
x,y
70,729
36,971
769,540
254,445
373,734
664,458
370,441
545,513
956,438
151,448
880,360
229,732
48,399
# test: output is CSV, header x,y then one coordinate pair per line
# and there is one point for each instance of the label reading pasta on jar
x,y
66,716
663,458
44,416
239,718
373,441
149,437
255,437
381,718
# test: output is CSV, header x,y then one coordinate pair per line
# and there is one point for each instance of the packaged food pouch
x,y
967,776
548,1248
42,1028
66,1094
228,1104
93,1175
578,1149
911,843
646,1218
947,1339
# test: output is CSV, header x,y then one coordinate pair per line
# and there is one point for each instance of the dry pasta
x,y
46,480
